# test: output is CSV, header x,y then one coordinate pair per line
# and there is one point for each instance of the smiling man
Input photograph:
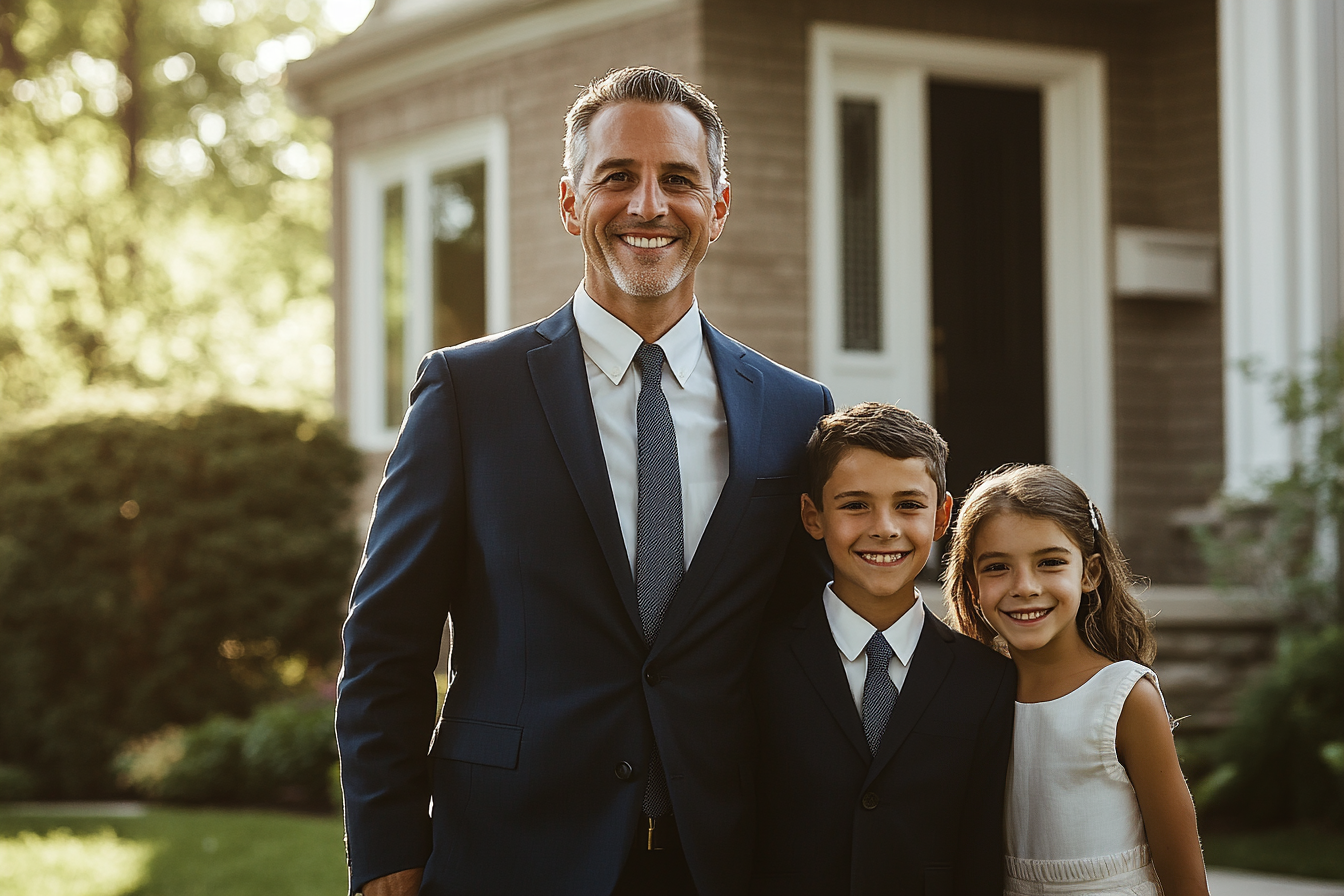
x,y
602,503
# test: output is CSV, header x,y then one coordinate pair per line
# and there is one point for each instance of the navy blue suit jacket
x,y
923,817
497,509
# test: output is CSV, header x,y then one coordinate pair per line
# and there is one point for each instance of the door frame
x,y
893,68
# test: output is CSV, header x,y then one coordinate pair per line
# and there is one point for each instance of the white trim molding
x,y
413,164
1280,112
893,68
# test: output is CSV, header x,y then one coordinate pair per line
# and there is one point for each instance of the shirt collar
x,y
852,632
611,345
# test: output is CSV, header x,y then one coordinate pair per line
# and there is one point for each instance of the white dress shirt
x,y
692,392
852,633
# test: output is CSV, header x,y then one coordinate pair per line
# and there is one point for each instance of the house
x,y
1059,229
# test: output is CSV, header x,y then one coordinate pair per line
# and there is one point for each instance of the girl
x,y
1096,802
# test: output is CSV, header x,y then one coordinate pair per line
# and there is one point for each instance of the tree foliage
x,y
156,572
163,214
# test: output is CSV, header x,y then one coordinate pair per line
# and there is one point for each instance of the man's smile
x,y
646,242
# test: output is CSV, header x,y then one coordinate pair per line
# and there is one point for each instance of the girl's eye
x,y
994,567
1054,561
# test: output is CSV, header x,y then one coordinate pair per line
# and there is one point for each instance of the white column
x,y
1281,253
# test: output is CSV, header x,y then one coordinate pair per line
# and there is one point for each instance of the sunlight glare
x,y
63,864
345,15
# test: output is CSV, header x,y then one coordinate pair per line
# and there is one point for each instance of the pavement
x,y
1228,882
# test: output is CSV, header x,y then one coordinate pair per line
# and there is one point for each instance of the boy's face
x,y
879,518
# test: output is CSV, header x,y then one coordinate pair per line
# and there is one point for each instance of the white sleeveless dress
x,y
1073,822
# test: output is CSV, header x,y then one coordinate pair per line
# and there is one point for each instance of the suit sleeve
x,y
979,867
400,601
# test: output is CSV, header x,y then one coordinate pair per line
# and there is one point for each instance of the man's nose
x,y
648,201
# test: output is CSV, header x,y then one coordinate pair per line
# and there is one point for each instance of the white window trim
x,y
413,164
893,67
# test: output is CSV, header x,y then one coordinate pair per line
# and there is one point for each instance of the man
x,y
602,501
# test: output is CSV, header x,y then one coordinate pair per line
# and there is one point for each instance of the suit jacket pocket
x,y
483,743
937,880
778,485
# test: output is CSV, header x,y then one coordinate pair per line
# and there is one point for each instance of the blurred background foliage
x,y
163,214
1282,760
157,571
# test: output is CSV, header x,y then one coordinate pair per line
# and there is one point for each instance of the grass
x,y
172,852
1306,852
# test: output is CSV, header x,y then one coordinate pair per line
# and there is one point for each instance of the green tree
x,y
163,214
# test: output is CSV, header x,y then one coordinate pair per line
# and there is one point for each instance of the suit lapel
x,y
741,389
816,652
558,373
928,667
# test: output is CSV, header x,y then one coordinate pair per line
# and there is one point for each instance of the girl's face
x,y
1029,580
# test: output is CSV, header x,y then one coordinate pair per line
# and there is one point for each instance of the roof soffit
x,y
408,41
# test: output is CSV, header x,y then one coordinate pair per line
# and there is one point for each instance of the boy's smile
x,y
879,518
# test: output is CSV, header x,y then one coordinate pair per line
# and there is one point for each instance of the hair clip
x,y
1092,512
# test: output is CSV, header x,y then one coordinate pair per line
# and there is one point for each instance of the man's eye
x,y
679,180
617,176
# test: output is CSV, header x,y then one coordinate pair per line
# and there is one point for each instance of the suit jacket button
x,y
652,677
625,771
870,800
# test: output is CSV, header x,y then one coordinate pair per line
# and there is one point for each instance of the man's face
x,y
644,205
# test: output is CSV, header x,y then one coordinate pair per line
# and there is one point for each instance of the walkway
x,y
1227,882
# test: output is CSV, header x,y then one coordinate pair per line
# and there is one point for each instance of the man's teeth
x,y
883,558
648,242
1028,615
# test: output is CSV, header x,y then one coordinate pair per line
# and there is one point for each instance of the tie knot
x,y
650,358
878,649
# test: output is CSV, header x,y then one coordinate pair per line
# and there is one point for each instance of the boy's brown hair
x,y
883,428
1110,620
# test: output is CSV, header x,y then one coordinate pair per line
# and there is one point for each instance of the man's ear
x,y
944,518
1092,573
812,518
720,213
569,200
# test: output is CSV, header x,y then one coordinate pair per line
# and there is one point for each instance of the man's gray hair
x,y
646,85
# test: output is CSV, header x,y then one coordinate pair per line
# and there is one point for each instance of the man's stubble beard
x,y
645,281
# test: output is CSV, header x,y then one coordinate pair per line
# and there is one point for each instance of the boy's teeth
x,y
882,558
648,242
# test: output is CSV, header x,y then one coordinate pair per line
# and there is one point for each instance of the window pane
x,y
862,294
394,304
457,203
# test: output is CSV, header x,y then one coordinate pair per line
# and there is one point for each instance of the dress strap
x,y
1126,674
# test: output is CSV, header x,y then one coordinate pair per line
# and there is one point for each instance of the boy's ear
x,y
1092,573
944,518
811,518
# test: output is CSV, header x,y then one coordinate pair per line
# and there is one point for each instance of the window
x,y
429,264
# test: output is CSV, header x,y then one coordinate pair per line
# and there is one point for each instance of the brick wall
x,y
1163,128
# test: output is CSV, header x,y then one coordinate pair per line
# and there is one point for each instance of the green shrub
x,y
1277,763
287,751
156,572
282,754
15,783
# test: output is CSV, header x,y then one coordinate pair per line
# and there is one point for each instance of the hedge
x,y
162,571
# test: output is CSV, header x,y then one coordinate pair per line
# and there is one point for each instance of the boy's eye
x,y
910,505
853,505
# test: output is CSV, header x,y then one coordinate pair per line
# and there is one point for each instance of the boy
x,y
884,736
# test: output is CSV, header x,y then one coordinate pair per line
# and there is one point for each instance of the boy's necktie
x,y
879,691
659,544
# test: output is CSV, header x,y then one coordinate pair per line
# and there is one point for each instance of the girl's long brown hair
x,y
1110,619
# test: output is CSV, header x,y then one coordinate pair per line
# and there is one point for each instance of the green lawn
x,y
1307,852
172,852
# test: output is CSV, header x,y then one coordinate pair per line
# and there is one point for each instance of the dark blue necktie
x,y
879,691
659,545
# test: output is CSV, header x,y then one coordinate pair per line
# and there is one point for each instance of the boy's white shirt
x,y
852,633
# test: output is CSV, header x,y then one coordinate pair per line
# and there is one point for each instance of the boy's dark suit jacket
x,y
497,507
922,818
